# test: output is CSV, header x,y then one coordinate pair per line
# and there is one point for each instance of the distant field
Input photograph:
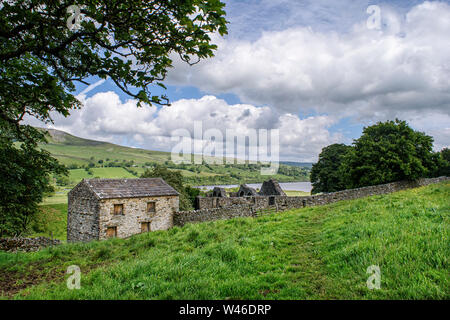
x,y
69,149
291,193
319,252
51,220
59,197
76,175
78,154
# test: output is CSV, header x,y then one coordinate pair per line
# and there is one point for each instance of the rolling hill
x,y
69,150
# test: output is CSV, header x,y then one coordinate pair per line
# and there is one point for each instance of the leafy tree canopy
x,y
131,42
386,152
24,179
389,151
41,59
326,175
442,160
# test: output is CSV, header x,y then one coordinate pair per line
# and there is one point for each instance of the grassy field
x,y
311,253
51,220
292,193
76,175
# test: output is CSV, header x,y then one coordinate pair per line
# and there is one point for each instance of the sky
x,y
318,71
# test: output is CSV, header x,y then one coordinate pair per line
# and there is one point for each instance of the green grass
x,y
51,219
60,196
311,253
76,175
292,193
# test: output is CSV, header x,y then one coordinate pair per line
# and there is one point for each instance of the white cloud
x,y
105,117
435,124
363,73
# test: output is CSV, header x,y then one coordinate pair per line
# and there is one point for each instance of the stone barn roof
x,y
219,192
271,188
129,188
246,191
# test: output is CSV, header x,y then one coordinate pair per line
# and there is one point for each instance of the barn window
x,y
111,232
151,207
118,209
271,201
145,226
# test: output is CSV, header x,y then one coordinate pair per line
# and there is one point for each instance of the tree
x,y
326,175
445,154
389,151
175,180
41,59
25,175
442,160
192,193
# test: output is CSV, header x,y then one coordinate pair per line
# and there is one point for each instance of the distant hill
x,y
90,158
298,164
70,150
60,137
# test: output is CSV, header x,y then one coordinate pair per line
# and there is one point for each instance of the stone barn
x,y
271,188
105,208
219,193
246,191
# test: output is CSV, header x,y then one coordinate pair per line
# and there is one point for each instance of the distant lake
x,y
291,186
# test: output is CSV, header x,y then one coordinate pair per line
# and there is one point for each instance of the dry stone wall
x,y
26,244
224,202
211,208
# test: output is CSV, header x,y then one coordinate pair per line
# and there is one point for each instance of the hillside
x,y
311,253
88,159
70,150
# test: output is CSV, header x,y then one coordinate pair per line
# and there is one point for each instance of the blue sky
x,y
311,69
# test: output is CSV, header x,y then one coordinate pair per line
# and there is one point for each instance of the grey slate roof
x,y
130,188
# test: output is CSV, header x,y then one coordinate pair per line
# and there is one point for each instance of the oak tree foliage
x,y
386,152
326,175
131,42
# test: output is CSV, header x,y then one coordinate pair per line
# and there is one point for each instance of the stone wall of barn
x,y
82,215
26,244
135,213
